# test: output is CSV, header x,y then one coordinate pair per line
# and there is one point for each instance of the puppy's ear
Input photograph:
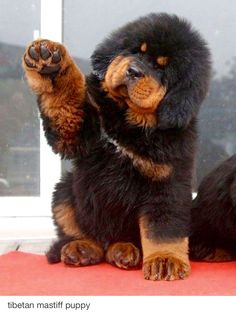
x,y
177,109
183,99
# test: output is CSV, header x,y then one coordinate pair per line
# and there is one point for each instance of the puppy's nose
x,y
134,72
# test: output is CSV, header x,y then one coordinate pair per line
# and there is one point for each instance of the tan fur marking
x,y
147,167
64,216
177,247
145,95
141,119
66,117
162,61
143,47
38,83
142,96
115,76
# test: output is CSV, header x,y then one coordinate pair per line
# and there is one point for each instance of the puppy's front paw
x,y
45,57
165,267
123,255
81,253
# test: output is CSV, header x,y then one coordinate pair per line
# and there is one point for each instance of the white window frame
x,y
23,216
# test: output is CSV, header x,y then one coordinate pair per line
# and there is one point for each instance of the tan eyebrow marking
x,y
162,61
143,47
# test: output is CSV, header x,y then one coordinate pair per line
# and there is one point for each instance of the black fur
x,y
214,213
108,192
188,74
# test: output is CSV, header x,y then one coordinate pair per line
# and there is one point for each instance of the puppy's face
x,y
134,81
156,69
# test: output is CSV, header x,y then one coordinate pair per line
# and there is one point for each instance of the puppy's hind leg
x,y
73,246
201,250
54,252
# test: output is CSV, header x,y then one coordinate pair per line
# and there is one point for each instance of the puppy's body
x,y
130,128
112,193
214,215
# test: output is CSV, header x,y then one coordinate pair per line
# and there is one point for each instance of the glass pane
x,y
19,122
86,23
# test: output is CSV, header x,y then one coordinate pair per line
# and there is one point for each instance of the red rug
x,y
28,274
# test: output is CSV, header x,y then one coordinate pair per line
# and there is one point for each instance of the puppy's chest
x,y
145,166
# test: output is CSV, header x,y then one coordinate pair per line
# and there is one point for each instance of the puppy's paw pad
x,y
44,56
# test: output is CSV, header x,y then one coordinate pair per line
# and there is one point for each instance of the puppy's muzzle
x,y
128,81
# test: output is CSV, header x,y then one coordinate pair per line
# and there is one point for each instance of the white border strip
x,y
27,228
117,305
50,164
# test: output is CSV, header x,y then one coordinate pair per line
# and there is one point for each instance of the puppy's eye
x,y
143,47
162,61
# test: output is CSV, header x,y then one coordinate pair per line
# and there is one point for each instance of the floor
x,y
35,246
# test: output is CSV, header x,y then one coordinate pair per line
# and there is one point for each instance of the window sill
x,y
12,228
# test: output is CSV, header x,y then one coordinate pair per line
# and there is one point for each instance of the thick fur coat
x,y
130,128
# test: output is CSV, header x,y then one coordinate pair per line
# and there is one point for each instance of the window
x,y
25,185
19,121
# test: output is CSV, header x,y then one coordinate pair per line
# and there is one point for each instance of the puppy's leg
x,y
123,255
163,259
60,86
73,246
201,251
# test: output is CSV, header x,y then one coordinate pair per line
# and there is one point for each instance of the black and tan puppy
x,y
214,215
130,128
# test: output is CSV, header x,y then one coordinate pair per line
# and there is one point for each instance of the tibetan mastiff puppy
x,y
130,128
214,215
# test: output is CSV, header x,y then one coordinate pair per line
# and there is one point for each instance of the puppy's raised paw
x,y
45,57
